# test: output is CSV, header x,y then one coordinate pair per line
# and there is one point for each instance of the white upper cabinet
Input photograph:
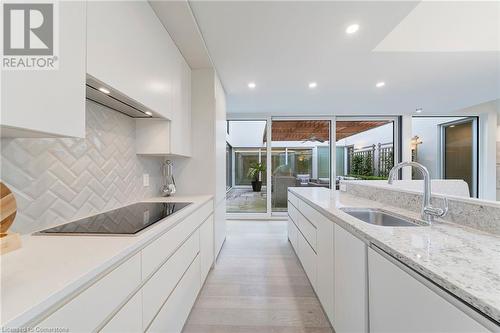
x,y
180,129
50,103
129,49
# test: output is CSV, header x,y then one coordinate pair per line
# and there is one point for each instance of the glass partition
x,y
300,157
364,149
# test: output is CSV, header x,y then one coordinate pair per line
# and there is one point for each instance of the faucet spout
x,y
427,212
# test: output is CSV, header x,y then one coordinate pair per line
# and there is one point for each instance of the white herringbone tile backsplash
x,y
59,180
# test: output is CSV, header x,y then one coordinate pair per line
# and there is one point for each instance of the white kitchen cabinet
x,y
325,279
128,319
50,103
170,137
129,49
89,309
206,247
175,311
156,253
399,302
307,257
351,285
180,127
293,234
158,289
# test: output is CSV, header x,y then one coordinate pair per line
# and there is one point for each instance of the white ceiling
x,y
283,45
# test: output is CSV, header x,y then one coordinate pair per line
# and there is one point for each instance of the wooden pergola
x,y
317,130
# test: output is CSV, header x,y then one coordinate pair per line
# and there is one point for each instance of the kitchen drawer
x,y
174,313
397,294
156,291
307,258
90,308
292,234
206,247
308,230
155,254
293,213
312,214
128,319
293,199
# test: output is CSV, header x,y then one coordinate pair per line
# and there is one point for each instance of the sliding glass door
x,y
266,157
300,157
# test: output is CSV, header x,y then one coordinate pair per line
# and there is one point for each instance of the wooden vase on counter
x,y
9,241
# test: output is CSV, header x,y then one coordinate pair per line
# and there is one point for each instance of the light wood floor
x,y
257,286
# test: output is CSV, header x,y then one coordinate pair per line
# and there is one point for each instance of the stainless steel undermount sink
x,y
379,217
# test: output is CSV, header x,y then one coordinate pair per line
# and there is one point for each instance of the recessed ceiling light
x,y
312,85
352,29
419,110
104,90
452,126
252,85
380,84
149,113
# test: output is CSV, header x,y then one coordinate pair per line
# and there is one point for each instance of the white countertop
x,y
464,261
50,269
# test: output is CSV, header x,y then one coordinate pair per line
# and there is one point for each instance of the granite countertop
x,y
464,261
50,269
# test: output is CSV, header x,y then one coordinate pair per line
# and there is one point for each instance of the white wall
x,y
381,134
248,134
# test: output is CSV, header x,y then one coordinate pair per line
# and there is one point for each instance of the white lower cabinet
x,y
175,311
362,291
351,285
308,259
326,265
156,291
206,246
88,310
401,303
128,319
152,291
293,234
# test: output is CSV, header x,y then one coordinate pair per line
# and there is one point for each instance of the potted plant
x,y
253,172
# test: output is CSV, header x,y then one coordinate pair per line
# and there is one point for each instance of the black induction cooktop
x,y
127,220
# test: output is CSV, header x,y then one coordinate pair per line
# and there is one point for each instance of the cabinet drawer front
x,y
312,214
293,199
206,246
293,213
174,313
308,230
88,310
351,285
155,253
396,296
292,234
128,319
161,284
307,258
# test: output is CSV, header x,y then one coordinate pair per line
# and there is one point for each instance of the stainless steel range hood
x,y
104,94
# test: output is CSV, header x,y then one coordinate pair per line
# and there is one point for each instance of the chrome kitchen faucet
x,y
428,212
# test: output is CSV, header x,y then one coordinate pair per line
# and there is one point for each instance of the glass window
x,y
365,149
